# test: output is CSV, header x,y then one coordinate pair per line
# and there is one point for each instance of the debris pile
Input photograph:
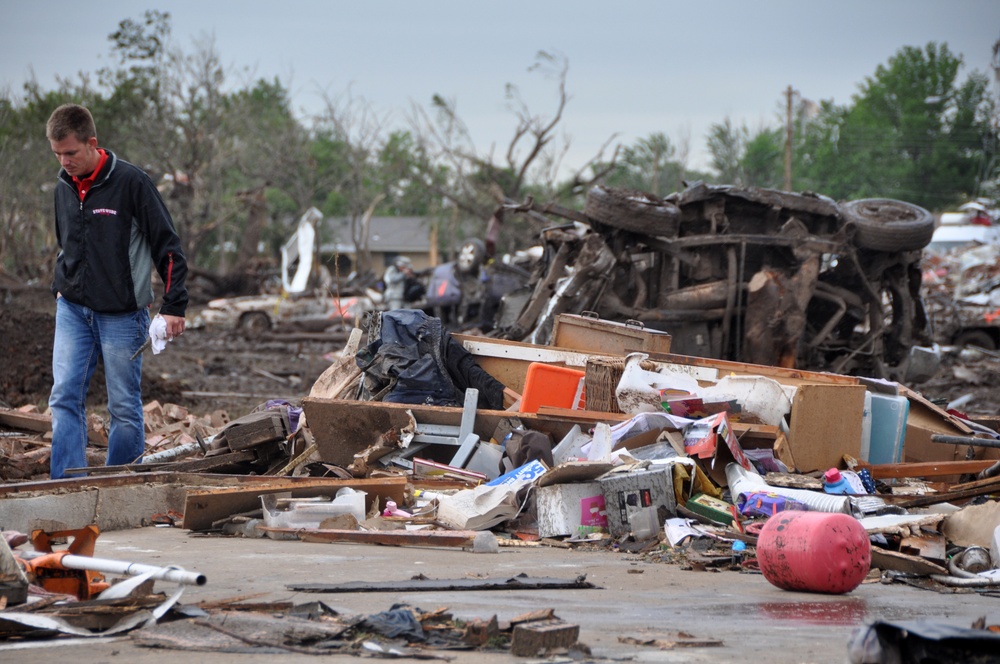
x,y
605,437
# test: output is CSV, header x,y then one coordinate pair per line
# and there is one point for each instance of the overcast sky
x,y
635,67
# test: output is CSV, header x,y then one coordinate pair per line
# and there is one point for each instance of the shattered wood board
x,y
343,427
519,582
273,427
202,508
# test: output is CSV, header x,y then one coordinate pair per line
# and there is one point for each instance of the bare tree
x,y
478,181
360,130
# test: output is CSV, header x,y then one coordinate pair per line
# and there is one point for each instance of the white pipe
x,y
107,566
742,481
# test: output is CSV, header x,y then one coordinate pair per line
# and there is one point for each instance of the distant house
x,y
389,237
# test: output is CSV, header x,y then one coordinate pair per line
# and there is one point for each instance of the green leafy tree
x,y
761,164
745,158
651,164
726,144
913,131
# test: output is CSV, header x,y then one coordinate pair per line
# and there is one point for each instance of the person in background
x,y
395,279
113,229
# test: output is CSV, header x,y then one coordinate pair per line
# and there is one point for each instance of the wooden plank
x,y
977,484
202,508
582,415
885,559
926,469
444,538
946,497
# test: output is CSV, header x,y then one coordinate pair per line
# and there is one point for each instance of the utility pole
x,y
789,93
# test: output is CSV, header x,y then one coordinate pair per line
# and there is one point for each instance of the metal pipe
x,y
964,440
108,566
978,582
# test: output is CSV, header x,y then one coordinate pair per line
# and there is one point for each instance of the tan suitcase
x,y
590,333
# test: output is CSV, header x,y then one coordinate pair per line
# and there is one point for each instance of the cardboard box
x,y
825,425
563,508
628,494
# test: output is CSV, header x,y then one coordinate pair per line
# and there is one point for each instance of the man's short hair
x,y
71,119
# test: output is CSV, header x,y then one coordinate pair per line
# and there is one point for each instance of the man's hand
x,y
175,325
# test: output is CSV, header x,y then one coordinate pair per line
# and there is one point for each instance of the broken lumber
x,y
202,508
339,374
462,539
926,469
39,423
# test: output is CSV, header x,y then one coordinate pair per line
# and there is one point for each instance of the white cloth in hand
x,y
158,334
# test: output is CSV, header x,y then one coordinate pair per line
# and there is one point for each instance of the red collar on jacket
x,y
84,185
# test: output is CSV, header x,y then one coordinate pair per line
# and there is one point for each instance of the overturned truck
x,y
745,274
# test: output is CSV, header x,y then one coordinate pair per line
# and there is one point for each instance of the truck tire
x,y
632,210
884,224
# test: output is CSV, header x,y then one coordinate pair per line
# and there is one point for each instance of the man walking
x,y
113,229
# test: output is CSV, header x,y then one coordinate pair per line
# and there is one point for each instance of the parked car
x,y
256,314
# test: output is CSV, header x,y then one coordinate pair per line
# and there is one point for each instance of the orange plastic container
x,y
547,385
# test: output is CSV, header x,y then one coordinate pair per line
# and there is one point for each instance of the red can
x,y
814,551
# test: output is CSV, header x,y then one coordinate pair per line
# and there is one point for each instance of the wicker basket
x,y
601,379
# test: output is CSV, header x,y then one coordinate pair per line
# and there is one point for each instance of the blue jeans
x,y
83,335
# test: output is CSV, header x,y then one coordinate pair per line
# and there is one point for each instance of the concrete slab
x,y
756,621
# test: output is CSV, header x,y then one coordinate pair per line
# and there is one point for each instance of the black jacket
x,y
110,242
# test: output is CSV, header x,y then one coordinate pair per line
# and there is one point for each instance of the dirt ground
x,y
209,369
203,370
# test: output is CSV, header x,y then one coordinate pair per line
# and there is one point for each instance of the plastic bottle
x,y
834,482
